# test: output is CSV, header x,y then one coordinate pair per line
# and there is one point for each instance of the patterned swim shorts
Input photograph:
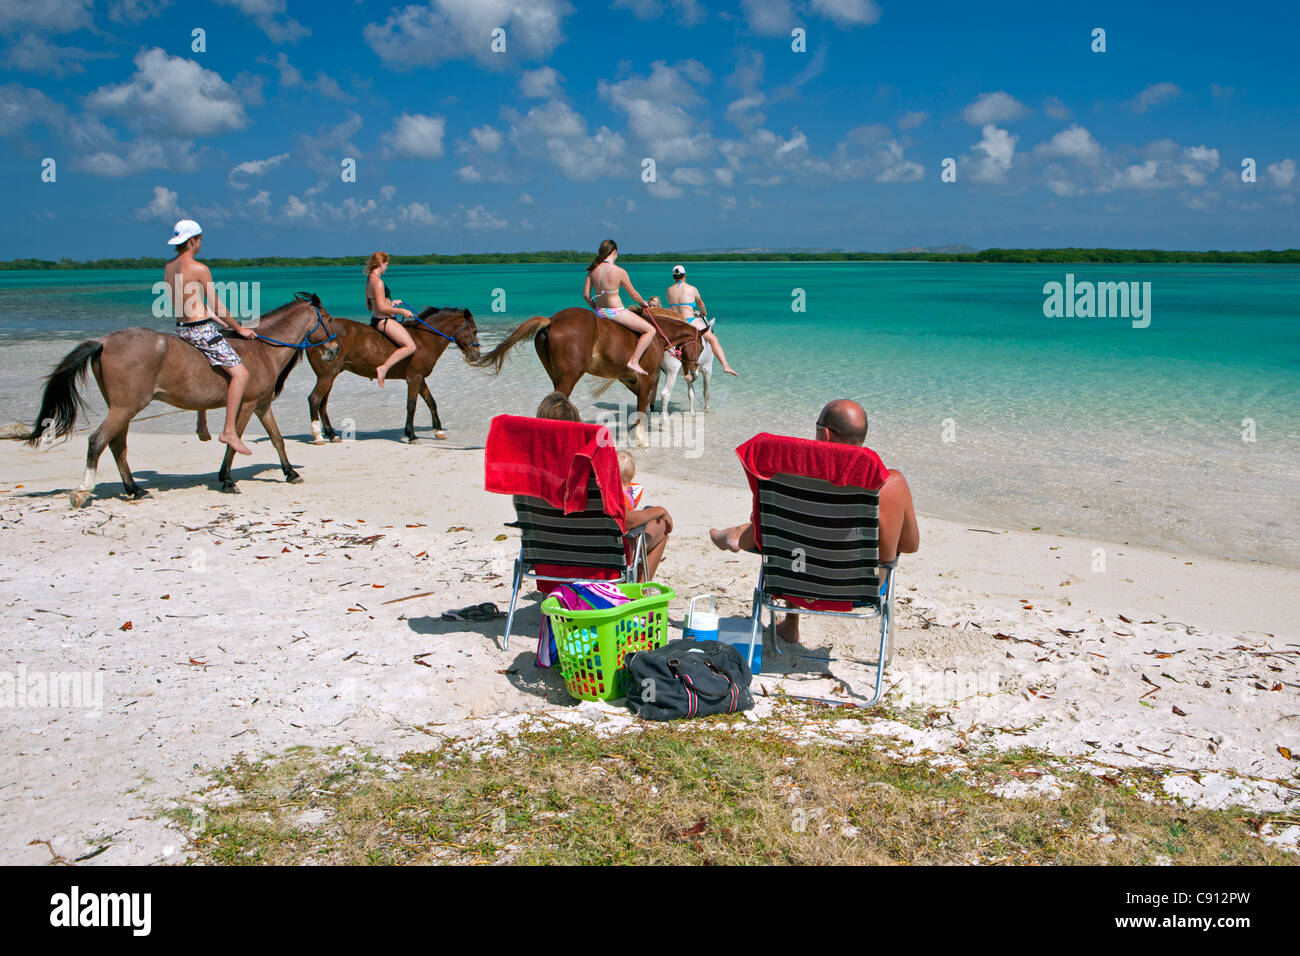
x,y
207,338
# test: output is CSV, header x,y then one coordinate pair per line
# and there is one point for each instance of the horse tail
x,y
61,401
497,357
603,387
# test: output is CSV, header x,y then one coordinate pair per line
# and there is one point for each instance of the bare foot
x,y
637,368
379,376
788,629
727,539
235,443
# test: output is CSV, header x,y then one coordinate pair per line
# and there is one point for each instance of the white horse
x,y
671,366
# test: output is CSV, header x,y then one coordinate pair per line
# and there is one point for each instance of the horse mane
x,y
429,310
284,375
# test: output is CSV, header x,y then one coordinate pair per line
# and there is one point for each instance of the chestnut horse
x,y
363,349
574,342
135,366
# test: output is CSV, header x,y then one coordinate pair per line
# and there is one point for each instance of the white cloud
x,y
539,84
1074,142
134,11
1281,174
657,109
254,167
487,139
912,119
1056,109
419,214
1198,162
163,206
999,107
440,30
687,13
172,96
418,135
769,17
33,54
270,17
21,105
330,89
469,174
688,176
563,136
996,149
480,218
848,13
47,16
1154,95
289,75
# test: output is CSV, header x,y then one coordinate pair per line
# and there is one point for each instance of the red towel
x,y
766,455
554,461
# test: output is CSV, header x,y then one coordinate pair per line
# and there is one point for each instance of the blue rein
x,y
425,325
304,344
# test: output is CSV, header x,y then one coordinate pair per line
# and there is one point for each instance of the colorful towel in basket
x,y
581,596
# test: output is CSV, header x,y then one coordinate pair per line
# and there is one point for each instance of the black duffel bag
x,y
687,679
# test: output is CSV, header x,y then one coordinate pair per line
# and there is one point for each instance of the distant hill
x,y
948,250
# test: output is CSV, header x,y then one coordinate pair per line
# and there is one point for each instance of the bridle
x,y
450,338
305,343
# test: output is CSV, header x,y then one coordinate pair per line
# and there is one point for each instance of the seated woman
x,y
607,279
385,313
657,522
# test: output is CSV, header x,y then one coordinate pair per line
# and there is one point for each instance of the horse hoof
x,y
204,436
137,494
440,435
229,488
412,439
293,478
335,439
79,498
319,441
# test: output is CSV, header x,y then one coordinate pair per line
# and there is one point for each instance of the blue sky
x,y
459,148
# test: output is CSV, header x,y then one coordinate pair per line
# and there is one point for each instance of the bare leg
x,y
717,350
642,344
739,538
234,398
788,629
657,531
405,347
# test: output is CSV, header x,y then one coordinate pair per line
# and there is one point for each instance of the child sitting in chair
x,y
632,491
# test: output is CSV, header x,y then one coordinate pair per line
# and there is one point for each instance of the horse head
x,y
322,332
458,325
692,351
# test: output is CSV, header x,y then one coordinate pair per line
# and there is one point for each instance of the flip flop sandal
x,y
487,611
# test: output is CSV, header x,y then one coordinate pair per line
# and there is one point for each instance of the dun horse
x,y
574,342
136,366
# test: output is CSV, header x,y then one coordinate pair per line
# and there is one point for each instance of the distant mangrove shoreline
x,y
1063,256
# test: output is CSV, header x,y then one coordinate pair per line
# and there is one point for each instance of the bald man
x,y
844,422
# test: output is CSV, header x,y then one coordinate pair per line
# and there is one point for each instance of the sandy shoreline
x,y
259,622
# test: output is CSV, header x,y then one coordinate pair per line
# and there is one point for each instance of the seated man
x,y
843,421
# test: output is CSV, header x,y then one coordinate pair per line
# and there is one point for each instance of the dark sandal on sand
x,y
487,611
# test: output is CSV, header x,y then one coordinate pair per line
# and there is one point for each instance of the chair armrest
x,y
634,532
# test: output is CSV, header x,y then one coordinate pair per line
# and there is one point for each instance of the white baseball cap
x,y
185,229
679,270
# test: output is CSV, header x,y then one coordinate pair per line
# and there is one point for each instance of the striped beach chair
x,y
820,549
553,543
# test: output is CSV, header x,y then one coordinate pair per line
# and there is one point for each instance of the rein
x,y
425,325
304,344
674,350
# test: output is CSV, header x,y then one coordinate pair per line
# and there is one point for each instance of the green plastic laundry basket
x,y
593,644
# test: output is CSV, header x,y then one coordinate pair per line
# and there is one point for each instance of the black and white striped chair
x,y
588,538
820,543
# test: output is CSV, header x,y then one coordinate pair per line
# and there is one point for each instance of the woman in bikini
x,y
385,312
608,280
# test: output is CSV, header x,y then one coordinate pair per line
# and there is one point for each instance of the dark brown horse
x,y
362,349
136,366
574,342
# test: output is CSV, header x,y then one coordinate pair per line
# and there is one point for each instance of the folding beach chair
x,y
819,534
575,529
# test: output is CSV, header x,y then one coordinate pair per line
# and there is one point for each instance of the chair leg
x,y
755,625
514,597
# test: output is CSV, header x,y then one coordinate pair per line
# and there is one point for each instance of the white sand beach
x,y
279,617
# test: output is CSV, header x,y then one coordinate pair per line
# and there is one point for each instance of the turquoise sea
x,y
1182,434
